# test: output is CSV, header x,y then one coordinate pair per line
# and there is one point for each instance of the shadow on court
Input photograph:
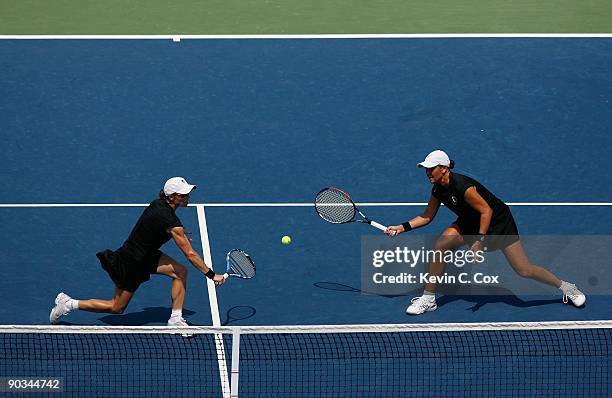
x,y
339,287
161,314
238,313
482,296
508,299
450,294
144,317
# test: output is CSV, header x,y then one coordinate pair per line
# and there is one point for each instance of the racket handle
x,y
225,276
377,225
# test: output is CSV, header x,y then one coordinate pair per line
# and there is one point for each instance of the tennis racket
x,y
336,206
239,264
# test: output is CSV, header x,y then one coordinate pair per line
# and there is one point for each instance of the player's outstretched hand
x,y
219,279
394,230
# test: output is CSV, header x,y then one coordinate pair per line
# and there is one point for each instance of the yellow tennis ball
x,y
286,240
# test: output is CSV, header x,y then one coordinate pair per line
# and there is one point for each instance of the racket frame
x,y
229,265
365,219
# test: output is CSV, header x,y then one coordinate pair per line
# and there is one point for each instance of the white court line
x,y
214,307
43,205
212,292
178,37
404,204
18,205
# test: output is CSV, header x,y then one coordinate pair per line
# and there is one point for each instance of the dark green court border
x,y
163,17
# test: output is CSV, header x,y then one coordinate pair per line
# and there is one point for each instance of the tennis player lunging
x,y
482,217
139,257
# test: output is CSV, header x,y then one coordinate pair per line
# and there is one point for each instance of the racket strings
x,y
242,265
334,206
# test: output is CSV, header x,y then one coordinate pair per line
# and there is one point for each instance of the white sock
x,y
565,286
430,295
178,313
72,304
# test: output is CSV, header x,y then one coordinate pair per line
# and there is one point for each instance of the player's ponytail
x,y
452,164
162,195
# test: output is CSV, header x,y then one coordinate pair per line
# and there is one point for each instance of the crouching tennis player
x,y
482,217
139,257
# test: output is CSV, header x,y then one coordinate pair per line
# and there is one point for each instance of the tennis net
x,y
548,359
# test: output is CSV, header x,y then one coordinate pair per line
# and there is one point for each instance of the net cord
x,y
365,328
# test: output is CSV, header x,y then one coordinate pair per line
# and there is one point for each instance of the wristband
x,y
482,238
407,226
210,274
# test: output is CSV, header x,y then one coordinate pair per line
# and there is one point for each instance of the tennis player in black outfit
x,y
482,217
139,257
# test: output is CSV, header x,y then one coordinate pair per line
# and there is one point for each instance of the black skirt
x,y
128,275
501,234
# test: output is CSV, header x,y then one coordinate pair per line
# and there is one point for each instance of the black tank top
x,y
453,197
150,231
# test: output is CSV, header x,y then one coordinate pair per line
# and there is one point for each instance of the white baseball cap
x,y
177,185
435,158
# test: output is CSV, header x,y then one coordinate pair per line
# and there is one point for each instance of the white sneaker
x,y
60,309
177,321
574,295
422,304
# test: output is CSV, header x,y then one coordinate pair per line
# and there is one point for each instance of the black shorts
x,y
500,235
127,275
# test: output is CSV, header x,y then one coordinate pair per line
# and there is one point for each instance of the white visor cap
x,y
435,158
177,185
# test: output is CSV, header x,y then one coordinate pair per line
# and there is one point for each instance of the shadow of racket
x,y
238,313
339,287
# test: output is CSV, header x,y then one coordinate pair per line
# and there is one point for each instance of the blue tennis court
x,y
95,127
273,121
